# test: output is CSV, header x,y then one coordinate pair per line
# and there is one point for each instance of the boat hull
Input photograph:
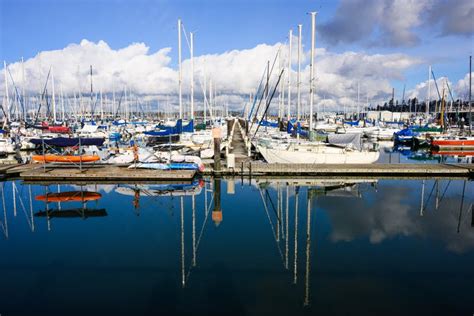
x,y
453,143
273,155
65,159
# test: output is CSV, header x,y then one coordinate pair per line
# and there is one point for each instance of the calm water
x,y
313,247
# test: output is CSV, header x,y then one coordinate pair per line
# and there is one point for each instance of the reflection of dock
x,y
400,171
73,213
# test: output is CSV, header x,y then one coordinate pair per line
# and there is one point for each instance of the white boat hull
x,y
276,155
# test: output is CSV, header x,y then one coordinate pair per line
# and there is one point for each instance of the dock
x,y
254,169
394,171
100,174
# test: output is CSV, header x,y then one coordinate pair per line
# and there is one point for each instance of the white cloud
x,y
462,87
459,89
235,74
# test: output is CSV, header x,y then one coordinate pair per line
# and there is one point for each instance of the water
x,y
363,248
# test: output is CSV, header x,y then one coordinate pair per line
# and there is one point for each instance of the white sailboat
x,y
314,153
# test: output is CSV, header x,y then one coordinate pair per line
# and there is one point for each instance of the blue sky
x,y
439,32
30,26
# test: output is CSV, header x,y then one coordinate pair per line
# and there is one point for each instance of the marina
x,y
234,158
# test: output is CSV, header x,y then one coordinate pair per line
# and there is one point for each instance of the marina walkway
x,y
238,147
255,169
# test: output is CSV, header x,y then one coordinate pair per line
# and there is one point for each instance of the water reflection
x,y
284,238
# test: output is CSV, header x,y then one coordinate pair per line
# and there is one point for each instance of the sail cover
x,y
345,140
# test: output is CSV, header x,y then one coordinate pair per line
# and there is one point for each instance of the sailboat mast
x,y
427,110
470,99
191,44
90,100
358,100
298,80
290,35
23,88
7,101
311,71
53,96
180,74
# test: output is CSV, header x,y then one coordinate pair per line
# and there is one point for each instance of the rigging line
x,y
461,207
198,242
436,84
444,192
273,205
5,224
429,196
18,97
273,229
257,93
23,207
267,87
42,96
269,101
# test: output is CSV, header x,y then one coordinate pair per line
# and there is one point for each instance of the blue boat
x,y
69,142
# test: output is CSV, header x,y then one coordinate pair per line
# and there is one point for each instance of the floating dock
x,y
396,171
100,174
113,174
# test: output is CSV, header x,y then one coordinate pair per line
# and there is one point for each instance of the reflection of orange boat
x,y
67,158
72,196
462,153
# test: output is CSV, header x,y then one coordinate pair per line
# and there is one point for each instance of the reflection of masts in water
x,y
59,203
5,220
286,228
183,278
271,223
193,205
14,198
278,213
462,205
308,248
282,222
20,200
48,219
422,197
437,195
207,207
31,210
295,276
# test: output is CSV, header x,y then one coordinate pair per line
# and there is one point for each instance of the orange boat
x,y
72,196
67,158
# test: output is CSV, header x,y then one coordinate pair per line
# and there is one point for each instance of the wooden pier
x,y
98,174
396,171
114,174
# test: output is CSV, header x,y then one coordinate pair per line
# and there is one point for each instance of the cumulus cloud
x,y
460,89
453,17
397,22
379,22
235,74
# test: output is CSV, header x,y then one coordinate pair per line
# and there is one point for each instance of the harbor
x,y
236,158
